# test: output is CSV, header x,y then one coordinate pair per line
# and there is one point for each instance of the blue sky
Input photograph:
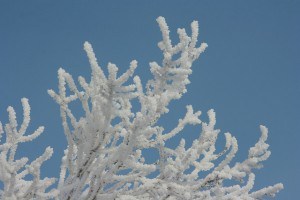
x,y
249,73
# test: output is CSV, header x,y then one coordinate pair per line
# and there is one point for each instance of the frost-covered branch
x,y
13,171
104,158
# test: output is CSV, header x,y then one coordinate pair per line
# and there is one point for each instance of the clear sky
x,y
250,73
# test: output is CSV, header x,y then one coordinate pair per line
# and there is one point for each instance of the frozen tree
x,y
104,157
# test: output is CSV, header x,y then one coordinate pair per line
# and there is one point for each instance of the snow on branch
x,y
104,158
13,171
